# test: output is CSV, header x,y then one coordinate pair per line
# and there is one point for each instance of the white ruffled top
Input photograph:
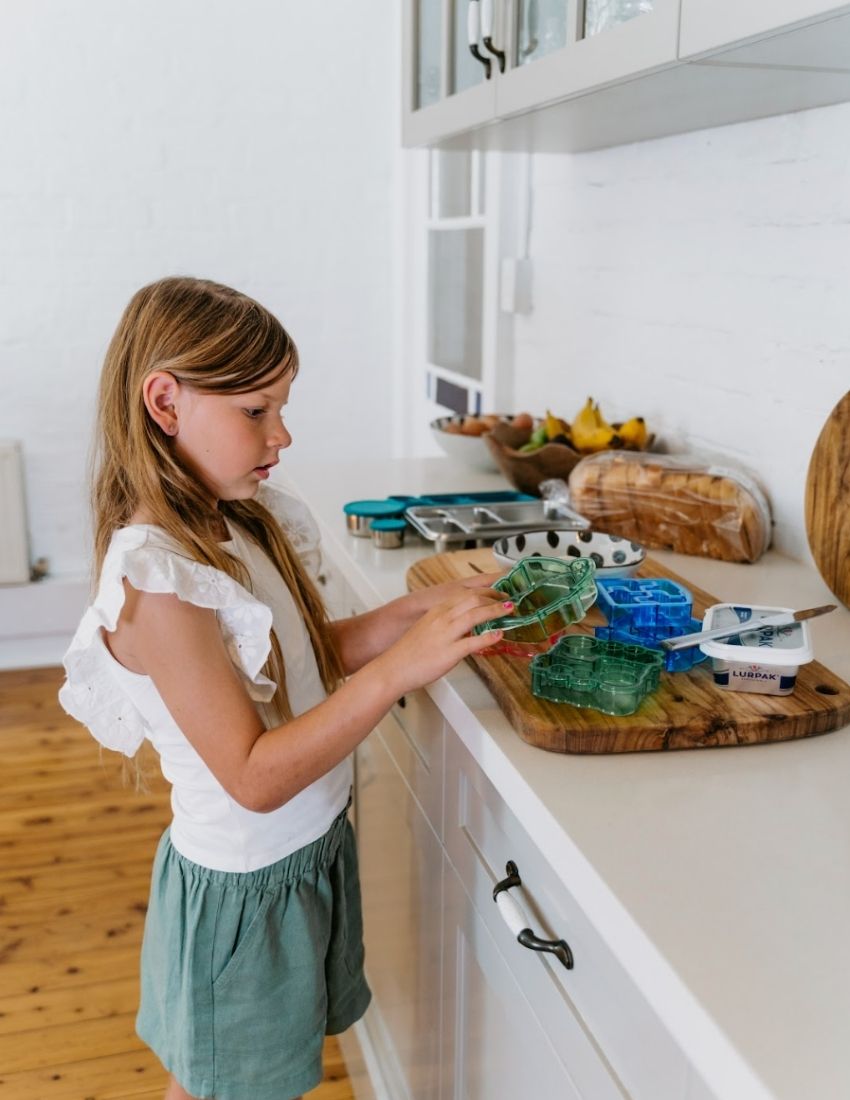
x,y
121,708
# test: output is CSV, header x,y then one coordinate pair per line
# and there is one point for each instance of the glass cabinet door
x,y
541,28
429,37
601,15
445,89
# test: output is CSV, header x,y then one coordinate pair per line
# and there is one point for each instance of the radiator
x,y
14,544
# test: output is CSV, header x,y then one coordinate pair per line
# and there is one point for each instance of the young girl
x,y
207,636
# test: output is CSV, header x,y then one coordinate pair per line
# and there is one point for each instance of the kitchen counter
x,y
719,877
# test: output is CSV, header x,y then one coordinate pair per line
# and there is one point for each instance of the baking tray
x,y
478,524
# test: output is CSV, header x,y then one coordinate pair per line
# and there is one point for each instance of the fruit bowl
x,y
463,437
613,556
526,471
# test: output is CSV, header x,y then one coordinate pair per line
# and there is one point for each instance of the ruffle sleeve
x,y
91,692
298,524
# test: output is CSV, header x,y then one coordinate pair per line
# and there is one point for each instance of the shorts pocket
x,y
347,921
243,927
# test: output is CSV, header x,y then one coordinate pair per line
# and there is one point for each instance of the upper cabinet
x,y
569,75
775,25
447,90
562,48
471,62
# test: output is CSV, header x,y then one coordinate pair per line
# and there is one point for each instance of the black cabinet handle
x,y
517,921
473,30
487,33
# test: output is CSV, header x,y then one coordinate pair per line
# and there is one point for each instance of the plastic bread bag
x,y
685,502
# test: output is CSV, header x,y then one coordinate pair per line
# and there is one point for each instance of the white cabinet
x,y
401,876
493,1045
711,25
585,74
446,89
452,984
532,52
594,1016
605,42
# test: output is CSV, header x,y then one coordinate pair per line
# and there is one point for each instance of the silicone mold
x,y
642,612
601,675
549,595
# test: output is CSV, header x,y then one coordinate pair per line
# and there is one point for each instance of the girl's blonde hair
x,y
215,340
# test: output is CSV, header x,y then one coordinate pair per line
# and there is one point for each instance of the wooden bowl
x,y
526,471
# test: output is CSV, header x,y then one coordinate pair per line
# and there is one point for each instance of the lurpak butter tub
x,y
765,660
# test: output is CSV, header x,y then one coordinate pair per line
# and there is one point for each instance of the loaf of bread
x,y
673,502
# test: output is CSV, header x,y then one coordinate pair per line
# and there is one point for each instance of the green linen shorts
x,y
244,974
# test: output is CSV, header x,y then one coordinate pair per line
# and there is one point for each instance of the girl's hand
x,y
442,636
426,598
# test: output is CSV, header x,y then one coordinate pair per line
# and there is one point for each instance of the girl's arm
x,y
180,647
363,637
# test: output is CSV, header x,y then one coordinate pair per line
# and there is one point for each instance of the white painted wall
x,y
254,143
702,281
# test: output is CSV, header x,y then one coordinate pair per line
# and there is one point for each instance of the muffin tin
x,y
549,595
480,523
643,611
598,674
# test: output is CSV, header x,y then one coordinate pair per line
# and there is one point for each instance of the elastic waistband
x,y
318,853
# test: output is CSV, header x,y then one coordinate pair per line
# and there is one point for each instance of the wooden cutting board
x,y
687,711
828,501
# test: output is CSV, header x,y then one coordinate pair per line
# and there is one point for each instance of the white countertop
x,y
720,877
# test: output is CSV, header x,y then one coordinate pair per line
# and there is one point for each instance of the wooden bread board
x,y
687,712
828,501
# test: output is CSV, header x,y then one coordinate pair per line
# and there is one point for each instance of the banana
x,y
555,426
600,439
634,434
584,424
601,422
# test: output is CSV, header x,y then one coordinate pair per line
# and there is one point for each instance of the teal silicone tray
x,y
549,595
601,675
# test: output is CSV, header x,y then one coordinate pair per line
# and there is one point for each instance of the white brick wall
x,y
702,281
255,143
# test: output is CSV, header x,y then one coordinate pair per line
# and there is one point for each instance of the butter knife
x,y
784,618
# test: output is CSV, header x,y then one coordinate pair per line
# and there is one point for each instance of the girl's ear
x,y
159,391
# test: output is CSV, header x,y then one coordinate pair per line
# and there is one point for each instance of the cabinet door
x,y
493,1045
564,48
446,90
709,25
401,878
595,1016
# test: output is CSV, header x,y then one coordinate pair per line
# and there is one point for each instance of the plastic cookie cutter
x,y
646,610
549,595
591,672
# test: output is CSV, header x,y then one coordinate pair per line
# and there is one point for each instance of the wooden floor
x,y
76,845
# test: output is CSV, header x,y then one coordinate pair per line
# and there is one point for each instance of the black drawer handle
x,y
517,921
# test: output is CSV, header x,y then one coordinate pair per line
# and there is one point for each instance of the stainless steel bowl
x,y
388,534
359,526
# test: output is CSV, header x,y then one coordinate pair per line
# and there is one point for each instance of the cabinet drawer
x,y
335,591
401,868
415,742
494,1047
593,1013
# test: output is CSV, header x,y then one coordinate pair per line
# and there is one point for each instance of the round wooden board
x,y
828,501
